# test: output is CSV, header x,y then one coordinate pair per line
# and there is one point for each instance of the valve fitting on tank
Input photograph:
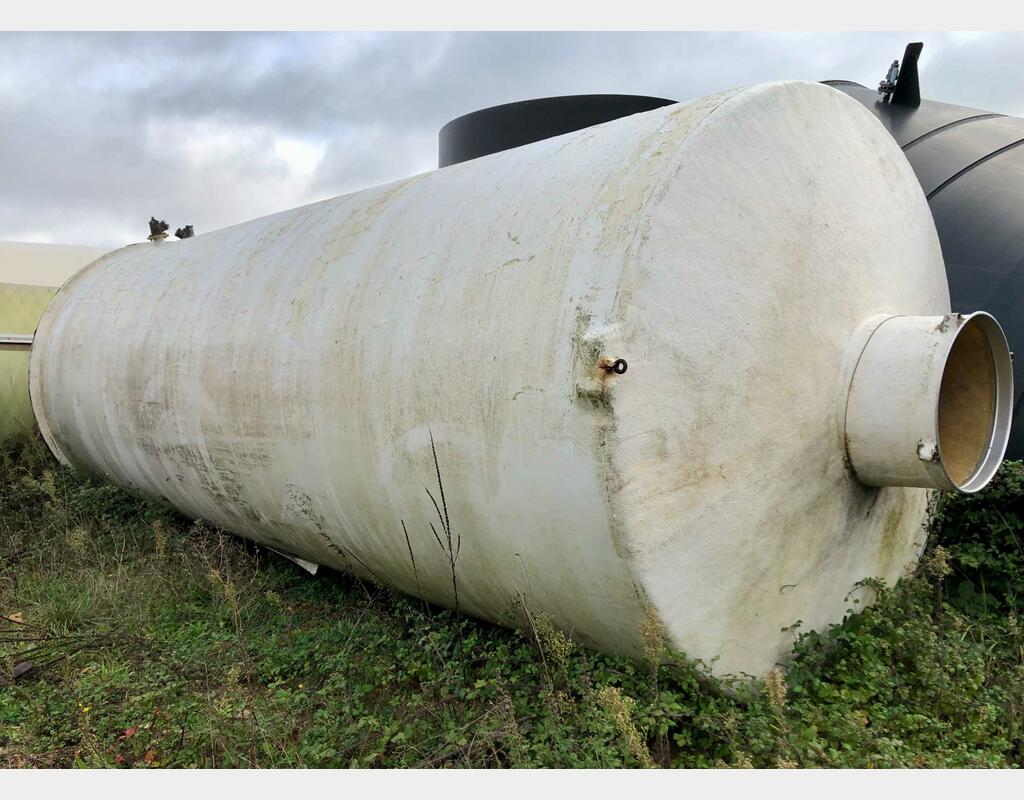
x,y
930,402
157,229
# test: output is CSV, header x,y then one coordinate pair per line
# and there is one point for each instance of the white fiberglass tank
x,y
606,375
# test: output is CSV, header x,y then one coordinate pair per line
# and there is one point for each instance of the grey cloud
x,y
101,130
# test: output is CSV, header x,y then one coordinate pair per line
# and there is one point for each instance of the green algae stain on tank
x,y
20,310
893,544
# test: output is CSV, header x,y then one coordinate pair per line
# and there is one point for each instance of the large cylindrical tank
x,y
29,276
606,375
20,309
491,130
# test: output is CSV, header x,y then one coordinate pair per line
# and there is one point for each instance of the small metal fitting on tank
x,y
930,402
157,229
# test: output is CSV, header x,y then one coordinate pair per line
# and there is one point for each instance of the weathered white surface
x,y
43,264
282,378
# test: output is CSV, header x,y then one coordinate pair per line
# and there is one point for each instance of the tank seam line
x,y
955,123
969,167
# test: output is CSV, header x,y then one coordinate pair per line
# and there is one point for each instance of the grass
x,y
149,641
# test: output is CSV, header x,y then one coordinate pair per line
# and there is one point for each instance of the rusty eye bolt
x,y
618,366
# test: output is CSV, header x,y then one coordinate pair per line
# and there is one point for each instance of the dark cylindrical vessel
x,y
503,127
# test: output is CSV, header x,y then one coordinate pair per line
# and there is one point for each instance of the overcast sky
x,y
100,131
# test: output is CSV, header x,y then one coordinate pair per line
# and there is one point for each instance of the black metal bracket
x,y
907,91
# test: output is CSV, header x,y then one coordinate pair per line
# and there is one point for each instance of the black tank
x,y
498,128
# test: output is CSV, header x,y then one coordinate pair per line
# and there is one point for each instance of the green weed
x,y
130,636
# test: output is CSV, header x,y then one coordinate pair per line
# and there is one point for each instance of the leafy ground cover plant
x,y
132,637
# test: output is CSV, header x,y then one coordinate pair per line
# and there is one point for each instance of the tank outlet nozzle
x,y
930,403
